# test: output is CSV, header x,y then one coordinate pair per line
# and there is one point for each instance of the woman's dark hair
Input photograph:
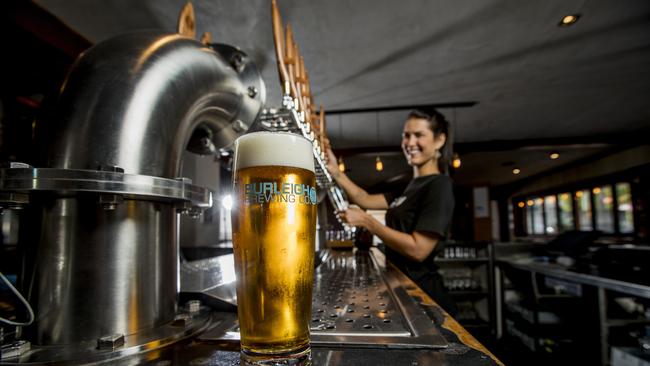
x,y
438,124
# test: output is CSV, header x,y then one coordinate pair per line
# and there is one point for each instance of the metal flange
x,y
25,180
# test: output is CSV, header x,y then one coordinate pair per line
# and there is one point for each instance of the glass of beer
x,y
274,228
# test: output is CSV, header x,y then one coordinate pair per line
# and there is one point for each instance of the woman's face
x,y
418,142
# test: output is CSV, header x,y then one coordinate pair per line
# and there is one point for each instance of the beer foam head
x,y
273,148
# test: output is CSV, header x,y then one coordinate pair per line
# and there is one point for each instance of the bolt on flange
x,y
110,342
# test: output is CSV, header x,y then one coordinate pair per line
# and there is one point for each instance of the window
x,y
550,212
583,202
604,208
608,207
566,212
538,216
529,217
624,208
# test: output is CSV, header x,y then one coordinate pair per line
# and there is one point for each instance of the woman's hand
x,y
331,164
355,217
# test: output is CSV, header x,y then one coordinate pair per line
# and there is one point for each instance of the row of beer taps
x,y
299,98
296,85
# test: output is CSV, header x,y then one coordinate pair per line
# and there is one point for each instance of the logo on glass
x,y
266,192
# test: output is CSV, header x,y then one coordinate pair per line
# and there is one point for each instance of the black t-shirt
x,y
426,205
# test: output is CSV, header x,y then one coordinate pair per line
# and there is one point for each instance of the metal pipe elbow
x,y
135,100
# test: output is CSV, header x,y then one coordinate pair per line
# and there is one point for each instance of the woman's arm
x,y
416,246
357,194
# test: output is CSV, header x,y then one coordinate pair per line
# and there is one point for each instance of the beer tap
x,y
278,36
290,61
296,88
186,21
322,132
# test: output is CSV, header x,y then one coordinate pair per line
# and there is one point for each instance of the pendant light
x,y
378,164
341,165
456,161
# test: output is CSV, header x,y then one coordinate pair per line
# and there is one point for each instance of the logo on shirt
x,y
397,201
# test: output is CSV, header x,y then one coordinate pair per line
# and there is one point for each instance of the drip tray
x,y
358,302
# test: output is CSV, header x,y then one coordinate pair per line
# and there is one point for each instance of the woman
x,y
418,219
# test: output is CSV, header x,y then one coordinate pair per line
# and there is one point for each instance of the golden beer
x,y
274,224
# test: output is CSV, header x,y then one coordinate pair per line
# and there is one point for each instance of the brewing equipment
x,y
100,203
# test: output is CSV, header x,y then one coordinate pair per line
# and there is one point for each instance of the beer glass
x,y
274,227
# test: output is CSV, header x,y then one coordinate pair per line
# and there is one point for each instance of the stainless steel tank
x,y
99,229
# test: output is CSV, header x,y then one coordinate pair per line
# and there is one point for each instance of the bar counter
x,y
365,312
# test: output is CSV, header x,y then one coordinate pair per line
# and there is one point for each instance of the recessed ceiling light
x,y
554,155
516,171
569,20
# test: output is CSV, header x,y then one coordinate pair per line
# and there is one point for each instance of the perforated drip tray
x,y
359,302
350,299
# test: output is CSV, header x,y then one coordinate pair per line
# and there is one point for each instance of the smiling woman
x,y
424,142
417,219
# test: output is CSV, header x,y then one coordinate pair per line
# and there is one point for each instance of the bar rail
x,y
561,272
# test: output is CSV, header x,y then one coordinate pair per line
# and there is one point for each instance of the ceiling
x,y
478,168
532,81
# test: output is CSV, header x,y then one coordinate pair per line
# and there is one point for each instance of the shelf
x,y
462,260
528,315
474,270
467,293
625,322
523,339
481,244
513,315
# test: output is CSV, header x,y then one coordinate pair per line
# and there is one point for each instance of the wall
x,y
203,231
